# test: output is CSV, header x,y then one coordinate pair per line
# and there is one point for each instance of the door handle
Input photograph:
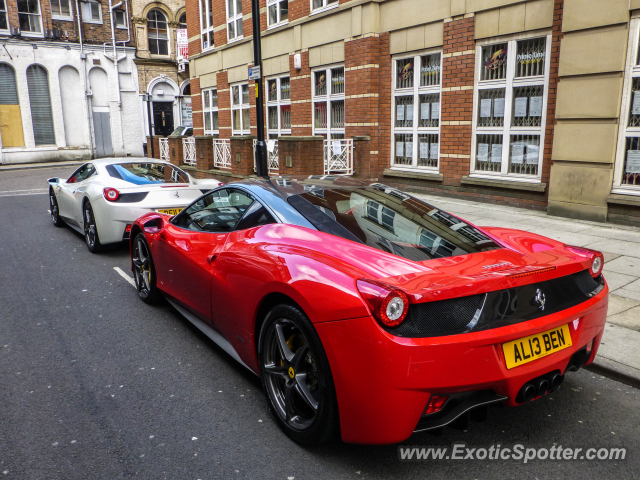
x,y
212,258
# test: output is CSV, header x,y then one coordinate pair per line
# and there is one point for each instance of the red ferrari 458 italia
x,y
367,312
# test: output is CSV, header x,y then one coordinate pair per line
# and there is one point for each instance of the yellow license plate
x,y
170,211
528,349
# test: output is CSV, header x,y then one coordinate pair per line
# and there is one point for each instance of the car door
x,y
188,247
67,194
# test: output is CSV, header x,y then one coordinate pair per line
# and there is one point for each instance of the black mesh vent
x,y
585,282
439,317
131,197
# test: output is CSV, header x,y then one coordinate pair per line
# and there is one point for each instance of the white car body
x,y
113,217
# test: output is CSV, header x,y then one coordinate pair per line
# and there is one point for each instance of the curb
x,y
615,371
25,166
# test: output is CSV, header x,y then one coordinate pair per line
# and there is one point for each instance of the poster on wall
x,y
533,152
535,107
485,108
409,113
399,149
434,151
483,152
424,150
435,110
498,107
521,107
496,152
408,149
425,109
399,113
517,153
182,44
187,117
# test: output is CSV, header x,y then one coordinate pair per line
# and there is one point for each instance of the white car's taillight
x,y
111,194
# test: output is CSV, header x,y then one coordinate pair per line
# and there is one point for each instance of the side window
x,y
218,211
82,173
255,216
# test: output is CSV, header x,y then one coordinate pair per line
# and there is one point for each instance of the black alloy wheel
x,y
296,377
90,230
143,271
55,211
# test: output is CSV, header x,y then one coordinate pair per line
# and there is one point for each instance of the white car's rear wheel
x,y
90,229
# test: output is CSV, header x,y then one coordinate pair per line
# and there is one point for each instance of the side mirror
x,y
153,226
53,181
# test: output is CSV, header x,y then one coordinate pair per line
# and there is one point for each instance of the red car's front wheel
x,y
296,376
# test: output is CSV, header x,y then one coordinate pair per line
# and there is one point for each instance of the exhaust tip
x,y
526,393
542,386
556,381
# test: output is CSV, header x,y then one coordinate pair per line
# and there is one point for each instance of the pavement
x,y
96,384
619,355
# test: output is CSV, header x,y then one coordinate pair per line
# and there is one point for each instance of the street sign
x,y
254,73
182,43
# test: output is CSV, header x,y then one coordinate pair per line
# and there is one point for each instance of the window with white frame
x,y
277,12
157,33
60,10
627,168
91,12
183,21
416,111
510,104
328,102
278,107
29,17
120,17
4,22
206,24
240,109
234,19
322,4
210,111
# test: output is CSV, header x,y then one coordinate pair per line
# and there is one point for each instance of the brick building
x,y
64,92
529,103
162,71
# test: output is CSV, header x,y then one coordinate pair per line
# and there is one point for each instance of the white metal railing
x,y
338,157
164,149
189,150
272,156
222,153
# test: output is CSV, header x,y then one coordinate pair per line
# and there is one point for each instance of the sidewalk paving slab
x,y
24,166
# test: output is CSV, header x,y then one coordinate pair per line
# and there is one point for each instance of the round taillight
x,y
394,308
596,265
111,194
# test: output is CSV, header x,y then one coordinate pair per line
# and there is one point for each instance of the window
x,y
627,169
277,12
60,9
328,102
323,4
4,23
510,105
11,118
147,173
210,111
120,18
217,212
240,109
40,102
234,19
183,21
82,173
278,107
157,32
91,12
29,17
416,112
206,24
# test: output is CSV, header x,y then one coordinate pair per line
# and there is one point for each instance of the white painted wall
x,y
75,131
126,117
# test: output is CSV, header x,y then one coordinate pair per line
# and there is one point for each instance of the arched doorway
x,y
186,117
163,95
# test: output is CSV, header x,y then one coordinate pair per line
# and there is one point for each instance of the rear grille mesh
x,y
440,317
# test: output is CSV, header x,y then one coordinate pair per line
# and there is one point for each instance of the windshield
x,y
147,173
389,220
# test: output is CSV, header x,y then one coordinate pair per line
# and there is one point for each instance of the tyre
x,y
55,211
143,270
296,377
91,236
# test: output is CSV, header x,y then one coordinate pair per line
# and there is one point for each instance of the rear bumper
x,y
384,382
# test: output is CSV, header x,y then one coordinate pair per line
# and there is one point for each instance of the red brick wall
x,y
300,95
193,26
385,101
196,107
299,9
224,105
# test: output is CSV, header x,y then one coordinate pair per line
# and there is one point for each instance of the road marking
x,y
17,193
125,276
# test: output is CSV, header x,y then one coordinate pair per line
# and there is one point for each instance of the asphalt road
x,y
96,384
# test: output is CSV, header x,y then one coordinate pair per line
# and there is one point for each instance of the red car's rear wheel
x,y
296,376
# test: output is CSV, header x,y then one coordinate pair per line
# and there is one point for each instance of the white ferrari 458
x,y
104,197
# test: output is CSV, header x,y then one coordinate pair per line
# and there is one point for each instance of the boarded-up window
x,y
10,118
40,101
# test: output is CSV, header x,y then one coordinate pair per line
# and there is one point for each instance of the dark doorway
x,y
163,118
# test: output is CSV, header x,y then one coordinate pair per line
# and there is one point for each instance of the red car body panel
x,y
383,382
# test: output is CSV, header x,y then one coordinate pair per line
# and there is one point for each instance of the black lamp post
x,y
262,169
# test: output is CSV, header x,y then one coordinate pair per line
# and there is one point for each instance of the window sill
x,y
276,25
629,199
121,28
208,49
237,39
434,177
95,22
62,18
508,184
324,9
31,35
